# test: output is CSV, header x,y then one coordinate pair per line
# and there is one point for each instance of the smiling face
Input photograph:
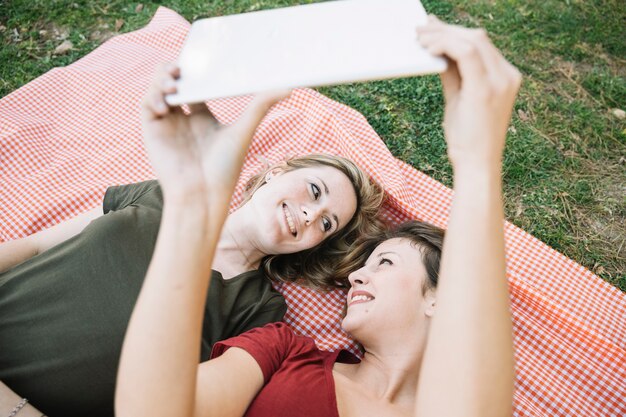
x,y
298,209
386,294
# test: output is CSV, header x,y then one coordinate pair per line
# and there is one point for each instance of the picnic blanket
x,y
69,134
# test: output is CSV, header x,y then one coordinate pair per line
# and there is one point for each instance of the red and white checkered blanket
x,y
72,132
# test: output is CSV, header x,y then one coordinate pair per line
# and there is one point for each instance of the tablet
x,y
302,46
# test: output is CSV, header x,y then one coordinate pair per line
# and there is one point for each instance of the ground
x,y
565,161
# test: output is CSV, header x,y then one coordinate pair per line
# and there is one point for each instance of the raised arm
x,y
197,162
468,367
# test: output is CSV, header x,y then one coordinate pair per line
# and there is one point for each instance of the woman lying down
x,y
429,351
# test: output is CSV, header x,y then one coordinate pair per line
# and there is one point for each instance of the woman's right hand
x,y
472,306
194,154
479,88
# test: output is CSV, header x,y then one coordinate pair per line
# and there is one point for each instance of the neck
x,y
391,372
236,244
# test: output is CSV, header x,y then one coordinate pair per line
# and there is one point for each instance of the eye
x,y
327,224
316,191
385,261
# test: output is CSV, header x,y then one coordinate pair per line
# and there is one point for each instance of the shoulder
x,y
252,289
271,337
270,345
119,196
274,339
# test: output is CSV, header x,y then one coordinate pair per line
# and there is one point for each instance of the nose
x,y
358,277
310,214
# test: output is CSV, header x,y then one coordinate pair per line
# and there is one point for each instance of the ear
x,y
430,299
274,172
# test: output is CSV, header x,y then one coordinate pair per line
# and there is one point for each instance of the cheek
x,y
315,237
308,242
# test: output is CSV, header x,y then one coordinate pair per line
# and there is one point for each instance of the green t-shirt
x,y
64,313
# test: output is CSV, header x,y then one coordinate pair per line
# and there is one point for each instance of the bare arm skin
x,y
9,400
468,364
468,367
17,251
197,162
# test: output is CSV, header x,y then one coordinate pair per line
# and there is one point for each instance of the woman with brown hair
x,y
67,293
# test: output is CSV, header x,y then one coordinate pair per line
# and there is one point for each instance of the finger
x,y
163,82
466,58
491,55
477,37
172,69
450,79
501,74
256,111
495,63
432,24
153,105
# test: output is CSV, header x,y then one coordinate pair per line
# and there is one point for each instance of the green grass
x,y
565,161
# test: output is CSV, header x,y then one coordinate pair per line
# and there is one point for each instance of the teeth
x,y
361,298
292,226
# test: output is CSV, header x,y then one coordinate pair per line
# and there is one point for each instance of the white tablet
x,y
303,46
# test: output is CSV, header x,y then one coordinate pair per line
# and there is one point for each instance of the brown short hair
x,y
323,266
427,238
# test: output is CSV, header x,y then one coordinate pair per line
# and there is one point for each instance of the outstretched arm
x,y
197,162
468,367
17,251
10,402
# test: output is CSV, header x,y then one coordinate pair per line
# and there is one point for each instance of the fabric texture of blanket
x,y
69,134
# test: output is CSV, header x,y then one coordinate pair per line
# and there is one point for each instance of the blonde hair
x,y
324,266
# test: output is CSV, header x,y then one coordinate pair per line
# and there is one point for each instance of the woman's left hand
x,y
195,153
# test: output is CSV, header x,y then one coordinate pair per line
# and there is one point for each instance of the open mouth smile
x,y
360,297
290,222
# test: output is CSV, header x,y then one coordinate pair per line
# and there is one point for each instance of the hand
x,y
479,89
194,153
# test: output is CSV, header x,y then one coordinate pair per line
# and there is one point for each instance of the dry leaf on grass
x,y
64,48
118,24
619,113
139,8
522,115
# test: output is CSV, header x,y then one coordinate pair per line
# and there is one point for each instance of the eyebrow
x,y
387,253
325,186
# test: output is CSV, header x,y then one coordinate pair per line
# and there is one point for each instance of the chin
x,y
349,324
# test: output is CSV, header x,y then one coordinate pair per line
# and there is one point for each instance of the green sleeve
x,y
120,196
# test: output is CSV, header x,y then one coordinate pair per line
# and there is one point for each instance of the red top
x,y
298,376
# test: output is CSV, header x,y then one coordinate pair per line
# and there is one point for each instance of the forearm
x,y
471,335
14,252
9,400
162,345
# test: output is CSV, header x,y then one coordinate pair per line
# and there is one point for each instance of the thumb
x,y
256,111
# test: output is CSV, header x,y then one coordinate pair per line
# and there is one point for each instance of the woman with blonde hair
x,y
444,351
67,293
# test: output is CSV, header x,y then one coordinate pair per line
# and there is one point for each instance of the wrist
x,y
477,166
10,403
480,175
193,214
